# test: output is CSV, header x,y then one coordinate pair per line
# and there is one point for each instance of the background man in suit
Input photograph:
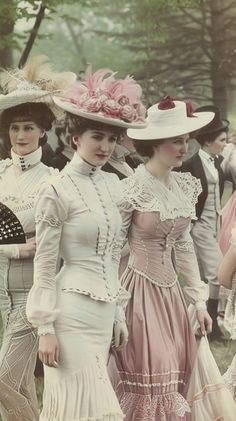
x,y
205,165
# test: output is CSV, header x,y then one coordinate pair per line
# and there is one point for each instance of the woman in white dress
x,y
25,118
77,217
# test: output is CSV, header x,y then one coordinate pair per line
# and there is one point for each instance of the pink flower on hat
x,y
93,105
128,113
123,100
111,107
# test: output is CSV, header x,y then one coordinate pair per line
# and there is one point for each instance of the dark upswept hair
x,y
209,137
145,147
79,125
37,112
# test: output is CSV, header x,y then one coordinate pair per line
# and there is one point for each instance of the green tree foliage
x,y
12,11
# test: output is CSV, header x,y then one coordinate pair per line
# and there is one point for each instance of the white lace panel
x,y
233,238
147,194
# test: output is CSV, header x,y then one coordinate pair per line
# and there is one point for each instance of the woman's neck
x,y
159,170
25,162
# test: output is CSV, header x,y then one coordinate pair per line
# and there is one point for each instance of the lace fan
x,y
11,230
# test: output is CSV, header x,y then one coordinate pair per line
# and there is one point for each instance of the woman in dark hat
x,y
206,166
27,113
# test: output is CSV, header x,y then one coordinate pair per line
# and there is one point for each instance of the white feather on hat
x,y
35,82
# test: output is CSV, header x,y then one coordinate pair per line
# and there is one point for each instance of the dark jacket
x,y
195,167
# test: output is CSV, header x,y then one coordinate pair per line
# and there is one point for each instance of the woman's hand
x,y
205,322
49,350
121,335
27,250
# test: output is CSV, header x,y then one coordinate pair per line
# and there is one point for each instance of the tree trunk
x,y
218,73
33,34
6,30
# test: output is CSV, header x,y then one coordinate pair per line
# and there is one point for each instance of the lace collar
x,y
83,167
147,194
26,161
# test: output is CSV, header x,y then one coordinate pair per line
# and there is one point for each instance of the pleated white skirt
x,y
80,389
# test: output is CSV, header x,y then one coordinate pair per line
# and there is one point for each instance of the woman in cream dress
x,y
77,216
25,118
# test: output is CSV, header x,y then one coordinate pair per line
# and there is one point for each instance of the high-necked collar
x,y
83,167
26,161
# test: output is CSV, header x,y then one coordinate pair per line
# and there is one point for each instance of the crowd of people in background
x,y
116,259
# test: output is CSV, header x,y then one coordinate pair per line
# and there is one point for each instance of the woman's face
x,y
172,151
24,137
217,147
95,146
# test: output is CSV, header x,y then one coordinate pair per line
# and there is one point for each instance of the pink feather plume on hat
x,y
100,92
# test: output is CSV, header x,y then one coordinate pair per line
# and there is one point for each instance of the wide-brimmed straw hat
x,y
101,97
35,82
170,118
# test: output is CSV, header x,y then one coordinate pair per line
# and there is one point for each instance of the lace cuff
x,y
119,315
46,330
123,298
184,246
200,305
11,251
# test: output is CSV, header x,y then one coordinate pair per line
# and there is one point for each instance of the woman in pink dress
x,y
155,366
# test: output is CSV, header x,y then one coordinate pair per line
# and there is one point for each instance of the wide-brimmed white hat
x,y
35,82
170,120
101,97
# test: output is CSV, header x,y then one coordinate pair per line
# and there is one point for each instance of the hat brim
x,y
187,125
21,97
96,116
224,124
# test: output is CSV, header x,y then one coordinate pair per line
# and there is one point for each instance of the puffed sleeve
x,y
195,290
11,251
120,244
228,164
51,212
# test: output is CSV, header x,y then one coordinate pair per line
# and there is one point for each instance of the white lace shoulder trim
x,y
147,194
233,238
4,163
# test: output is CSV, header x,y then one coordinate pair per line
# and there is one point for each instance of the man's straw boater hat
x,y
101,97
171,118
35,82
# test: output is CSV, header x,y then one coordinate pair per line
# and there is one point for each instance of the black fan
x,y
11,230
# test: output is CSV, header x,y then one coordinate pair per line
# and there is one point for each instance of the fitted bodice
x,y
80,206
92,224
151,243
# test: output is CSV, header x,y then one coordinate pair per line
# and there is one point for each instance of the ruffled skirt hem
x,y
165,407
83,396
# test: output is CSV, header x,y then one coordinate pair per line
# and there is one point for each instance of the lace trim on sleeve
x,y
184,246
53,222
230,310
233,238
147,194
46,330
